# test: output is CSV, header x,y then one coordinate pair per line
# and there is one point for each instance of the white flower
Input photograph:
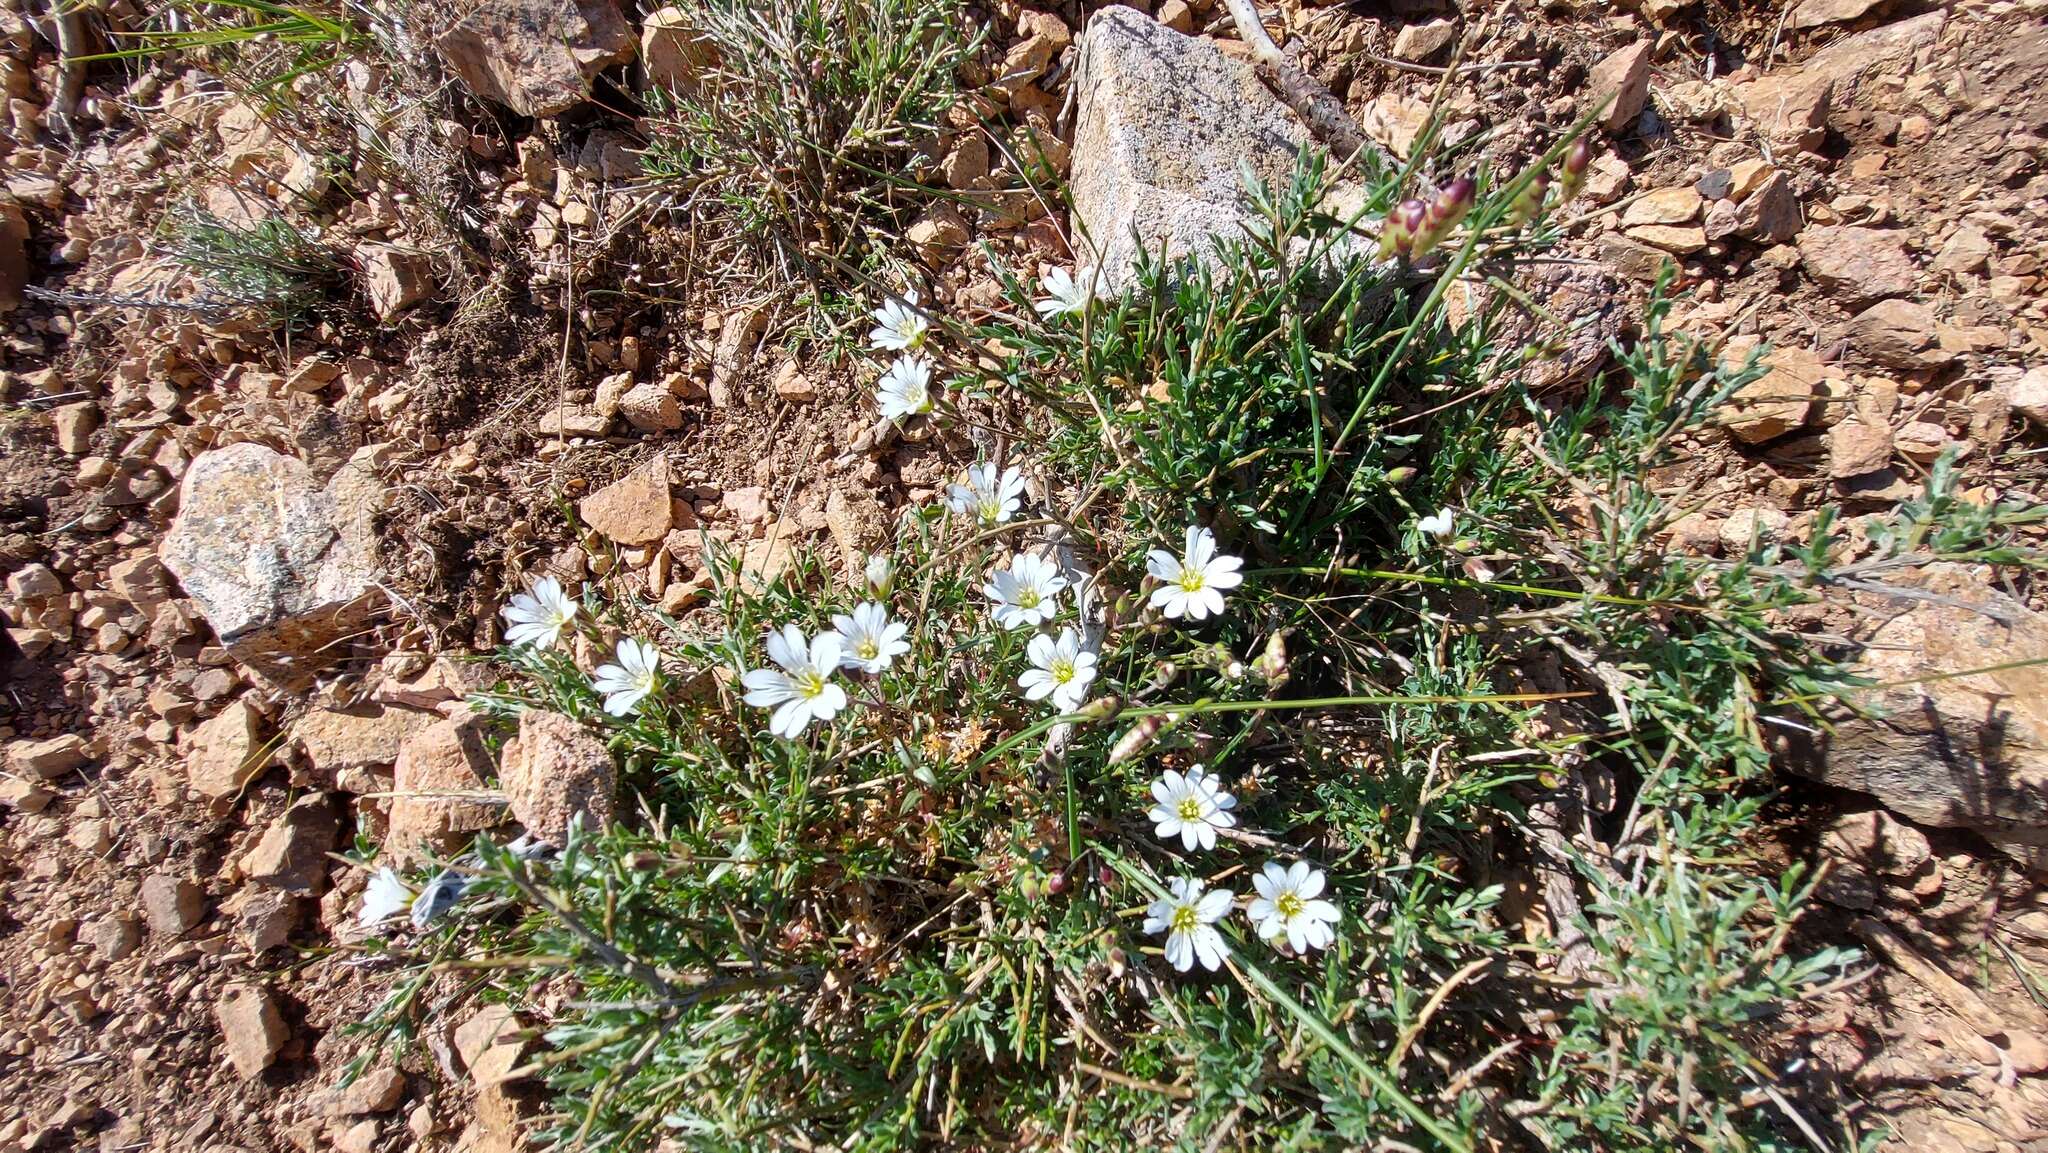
x,y
1288,906
906,389
1027,593
384,898
1192,584
803,689
880,575
868,639
1188,918
990,498
1438,525
1064,295
898,324
1059,669
1191,808
537,616
628,682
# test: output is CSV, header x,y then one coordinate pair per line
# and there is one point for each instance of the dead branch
x,y
1322,112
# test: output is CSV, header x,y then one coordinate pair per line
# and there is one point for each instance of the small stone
x,y
1746,176
1663,206
395,278
252,1029
1764,524
651,407
671,56
1789,107
1715,185
73,426
1671,238
447,758
632,510
938,233
34,582
1778,402
360,1137
734,353
966,166
2030,395
1770,214
292,853
377,1091
555,771
1878,842
536,57
47,760
1631,259
792,385
1921,441
489,1045
1607,178
1625,75
112,937
263,918
1420,42
1892,333
24,796
223,754
335,740
171,904
1858,266
281,565
1176,14
1818,13
1966,252
1858,448
748,505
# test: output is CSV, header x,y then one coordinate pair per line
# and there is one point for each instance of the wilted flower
x,y
626,683
906,389
1188,918
880,575
537,616
898,324
1438,525
802,689
1059,669
987,496
384,897
1192,584
1026,593
1064,295
869,640
1288,906
1191,807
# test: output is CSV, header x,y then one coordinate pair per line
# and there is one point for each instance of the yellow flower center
x,y
1027,597
808,684
990,509
1290,905
1062,671
1185,919
1191,580
1190,810
867,649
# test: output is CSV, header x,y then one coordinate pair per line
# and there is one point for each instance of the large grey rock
x,y
1166,125
536,57
1968,752
280,565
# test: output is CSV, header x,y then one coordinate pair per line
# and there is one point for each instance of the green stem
x,y
1466,583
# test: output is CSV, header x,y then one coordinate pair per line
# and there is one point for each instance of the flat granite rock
x,y
279,564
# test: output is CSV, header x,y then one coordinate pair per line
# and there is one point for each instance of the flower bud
x,y
1396,477
1528,204
1056,883
880,575
1575,161
1137,738
1100,709
1403,224
1450,207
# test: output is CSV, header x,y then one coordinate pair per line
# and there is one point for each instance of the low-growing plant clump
x,y
1187,776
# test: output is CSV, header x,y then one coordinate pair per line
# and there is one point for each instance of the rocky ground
x,y
196,742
